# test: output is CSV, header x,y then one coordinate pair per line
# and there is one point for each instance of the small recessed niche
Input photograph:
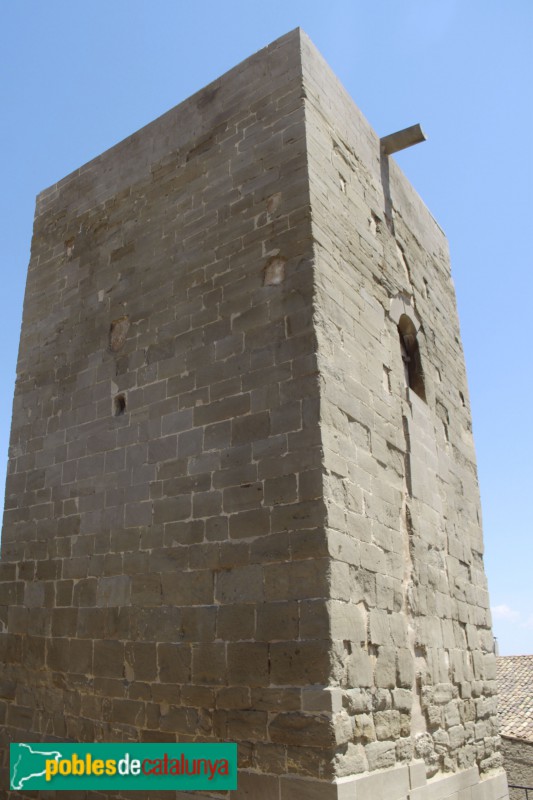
x,y
386,379
119,405
273,203
374,223
118,331
69,247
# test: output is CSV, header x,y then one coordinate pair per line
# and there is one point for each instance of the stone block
x,y
443,787
314,619
306,789
194,588
389,784
248,664
385,671
296,580
417,774
146,590
209,664
248,524
172,509
278,621
235,622
301,729
242,584
108,659
359,670
380,755
253,786
140,661
298,663
493,788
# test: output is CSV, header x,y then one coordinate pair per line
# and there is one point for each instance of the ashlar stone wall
x,y
412,648
228,517
163,556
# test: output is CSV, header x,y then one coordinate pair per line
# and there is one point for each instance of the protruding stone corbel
x,y
402,139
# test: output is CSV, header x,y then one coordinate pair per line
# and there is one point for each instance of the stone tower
x,y
242,500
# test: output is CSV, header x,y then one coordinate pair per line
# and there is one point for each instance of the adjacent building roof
x,y
515,701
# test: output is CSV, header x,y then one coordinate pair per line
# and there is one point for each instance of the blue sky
x,y
76,78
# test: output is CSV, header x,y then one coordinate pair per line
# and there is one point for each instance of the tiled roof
x,y
515,701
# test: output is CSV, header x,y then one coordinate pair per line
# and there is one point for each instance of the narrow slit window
x,y
119,405
412,363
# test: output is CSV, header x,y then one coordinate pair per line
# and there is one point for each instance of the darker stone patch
x,y
206,97
121,252
202,147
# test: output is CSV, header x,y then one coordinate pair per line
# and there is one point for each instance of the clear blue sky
x,y
78,77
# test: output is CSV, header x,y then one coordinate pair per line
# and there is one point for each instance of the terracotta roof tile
x,y
515,701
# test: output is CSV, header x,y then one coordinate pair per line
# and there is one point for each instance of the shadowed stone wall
x,y
518,762
228,516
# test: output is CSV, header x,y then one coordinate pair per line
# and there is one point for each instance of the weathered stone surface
x,y
518,762
245,504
